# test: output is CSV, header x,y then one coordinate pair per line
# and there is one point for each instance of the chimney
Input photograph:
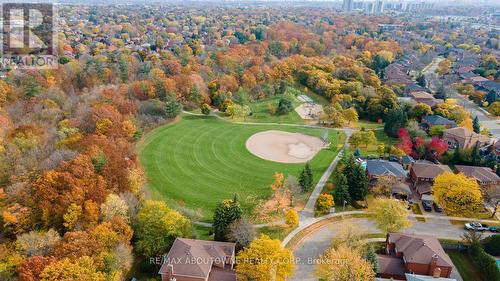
x,y
433,266
170,272
437,272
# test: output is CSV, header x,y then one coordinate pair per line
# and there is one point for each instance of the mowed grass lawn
x,y
198,161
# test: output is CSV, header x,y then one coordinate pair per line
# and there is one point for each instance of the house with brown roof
x,y
423,173
424,97
483,175
199,260
411,253
464,138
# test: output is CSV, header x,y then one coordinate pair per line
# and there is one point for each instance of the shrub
x,y
284,106
324,203
292,218
492,245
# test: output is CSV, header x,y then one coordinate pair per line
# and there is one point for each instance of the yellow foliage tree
x,y
458,194
72,215
82,269
264,260
102,126
292,218
390,215
467,123
324,203
343,264
278,181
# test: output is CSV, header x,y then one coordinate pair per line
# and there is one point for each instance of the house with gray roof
x,y
383,168
430,121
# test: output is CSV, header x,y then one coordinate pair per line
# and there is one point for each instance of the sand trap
x,y
284,147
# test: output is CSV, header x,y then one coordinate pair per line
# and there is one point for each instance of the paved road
x,y
484,117
317,242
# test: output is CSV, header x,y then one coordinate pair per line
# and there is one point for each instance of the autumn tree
x,y
292,218
36,243
31,268
265,260
390,215
457,194
324,203
225,213
333,269
83,269
157,227
114,206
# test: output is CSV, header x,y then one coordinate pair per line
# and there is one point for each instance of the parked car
x,y
476,226
393,159
494,229
427,206
437,208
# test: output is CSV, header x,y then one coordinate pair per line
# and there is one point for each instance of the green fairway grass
x,y
197,161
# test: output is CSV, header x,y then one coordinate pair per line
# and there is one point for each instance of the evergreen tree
x,y
371,257
491,160
306,178
358,184
172,108
395,119
475,157
441,93
226,213
476,126
341,191
421,81
457,157
284,106
357,180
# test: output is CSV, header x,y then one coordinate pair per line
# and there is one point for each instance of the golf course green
x,y
197,161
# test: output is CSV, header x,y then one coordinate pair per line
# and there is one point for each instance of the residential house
x,y
407,161
422,175
430,121
394,172
485,176
496,148
376,169
464,138
489,86
424,97
411,253
397,74
199,260
413,88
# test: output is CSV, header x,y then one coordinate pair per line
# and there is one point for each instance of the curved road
x,y
317,242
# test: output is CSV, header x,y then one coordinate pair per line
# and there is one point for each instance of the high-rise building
x,y
379,7
348,5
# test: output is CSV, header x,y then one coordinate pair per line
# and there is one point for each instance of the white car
x,y
476,226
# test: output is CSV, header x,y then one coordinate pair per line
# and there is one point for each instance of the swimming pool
x,y
498,263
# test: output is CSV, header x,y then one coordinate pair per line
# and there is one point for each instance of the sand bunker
x,y
284,147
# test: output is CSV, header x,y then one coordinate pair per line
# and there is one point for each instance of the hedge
x,y
492,245
485,263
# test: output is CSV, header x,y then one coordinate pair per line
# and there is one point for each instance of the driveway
x,y
317,242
